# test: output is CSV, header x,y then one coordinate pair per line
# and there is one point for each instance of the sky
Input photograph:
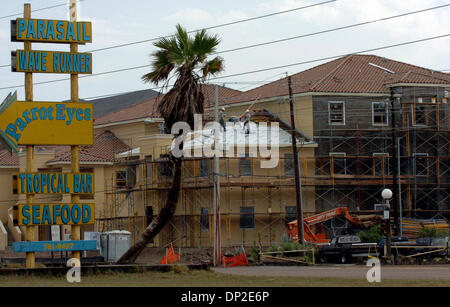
x,y
119,22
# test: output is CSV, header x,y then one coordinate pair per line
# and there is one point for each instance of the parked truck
x,y
345,249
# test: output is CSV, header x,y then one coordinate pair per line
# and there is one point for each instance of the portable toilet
x,y
114,244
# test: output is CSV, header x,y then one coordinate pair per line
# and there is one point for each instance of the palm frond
x,y
162,67
204,45
213,67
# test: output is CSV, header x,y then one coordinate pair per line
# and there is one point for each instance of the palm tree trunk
x,y
165,215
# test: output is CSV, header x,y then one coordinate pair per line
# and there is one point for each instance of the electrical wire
x,y
41,9
249,72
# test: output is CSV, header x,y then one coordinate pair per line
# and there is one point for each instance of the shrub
x,y
433,233
274,248
254,255
372,235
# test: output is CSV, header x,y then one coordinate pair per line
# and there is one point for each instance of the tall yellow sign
x,y
45,123
50,123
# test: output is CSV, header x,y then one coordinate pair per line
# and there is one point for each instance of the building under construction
x,y
364,123
350,112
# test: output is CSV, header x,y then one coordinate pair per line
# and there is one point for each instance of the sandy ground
x,y
441,272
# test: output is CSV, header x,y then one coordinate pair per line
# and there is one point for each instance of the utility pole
x,y
394,164
31,230
399,188
298,183
216,197
75,152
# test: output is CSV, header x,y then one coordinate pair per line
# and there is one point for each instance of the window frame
x,y
386,114
342,123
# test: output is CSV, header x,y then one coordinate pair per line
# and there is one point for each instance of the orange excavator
x,y
313,225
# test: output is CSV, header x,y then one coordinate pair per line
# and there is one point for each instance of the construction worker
x,y
221,118
247,118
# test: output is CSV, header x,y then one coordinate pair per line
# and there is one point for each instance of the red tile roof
x,y
349,74
106,146
148,108
368,74
8,159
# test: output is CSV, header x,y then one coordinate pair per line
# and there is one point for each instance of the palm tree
x,y
187,58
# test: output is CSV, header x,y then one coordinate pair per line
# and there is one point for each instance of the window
x,y
289,165
420,117
247,218
131,176
148,167
121,179
380,164
339,163
336,113
379,114
245,166
291,213
421,164
204,219
204,168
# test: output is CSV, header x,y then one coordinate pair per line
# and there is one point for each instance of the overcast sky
x,y
118,22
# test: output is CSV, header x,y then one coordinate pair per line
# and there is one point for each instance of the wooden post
x,y
30,257
75,152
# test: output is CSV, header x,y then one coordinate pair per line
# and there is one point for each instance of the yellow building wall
x,y
7,198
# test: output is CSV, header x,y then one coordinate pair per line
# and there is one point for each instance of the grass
x,y
184,278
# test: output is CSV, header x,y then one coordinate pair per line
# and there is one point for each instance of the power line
x,y
41,9
248,72
216,26
335,29
334,57
207,28
293,37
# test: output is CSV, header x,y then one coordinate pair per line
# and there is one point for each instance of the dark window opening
x,y
336,113
380,113
204,219
421,164
121,179
339,163
148,167
289,165
291,213
247,218
245,166
204,168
